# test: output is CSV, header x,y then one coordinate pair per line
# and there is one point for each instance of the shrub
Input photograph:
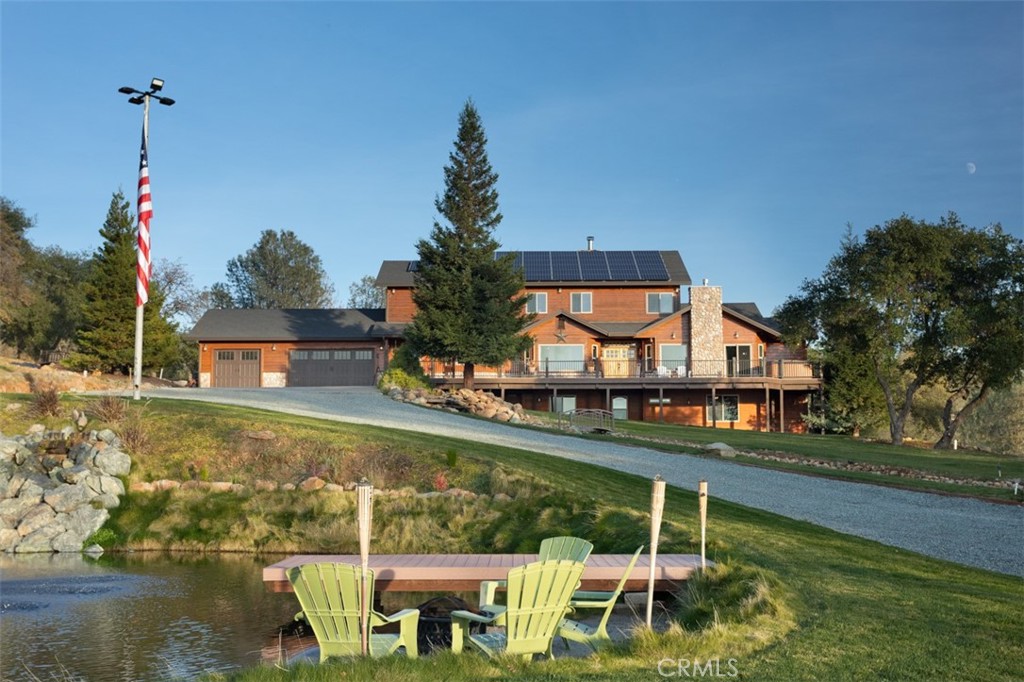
x,y
109,409
134,435
45,401
396,377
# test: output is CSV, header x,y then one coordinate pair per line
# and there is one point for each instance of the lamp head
x,y
126,90
136,100
157,84
166,101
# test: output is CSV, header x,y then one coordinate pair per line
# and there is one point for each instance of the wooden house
x,y
613,332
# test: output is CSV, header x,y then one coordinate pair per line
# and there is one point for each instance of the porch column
x,y
661,404
608,399
714,409
782,409
767,423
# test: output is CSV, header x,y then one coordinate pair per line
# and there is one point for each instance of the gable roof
x,y
332,324
566,268
749,312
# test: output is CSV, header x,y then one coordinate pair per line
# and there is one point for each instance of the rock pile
x,y
56,487
478,403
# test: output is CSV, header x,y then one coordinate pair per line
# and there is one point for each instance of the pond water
x,y
138,616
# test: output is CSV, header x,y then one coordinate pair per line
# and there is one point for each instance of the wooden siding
x,y
608,304
399,306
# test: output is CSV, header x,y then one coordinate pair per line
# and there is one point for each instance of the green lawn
x,y
837,607
959,464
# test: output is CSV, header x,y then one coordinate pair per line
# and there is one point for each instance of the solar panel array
x,y
591,266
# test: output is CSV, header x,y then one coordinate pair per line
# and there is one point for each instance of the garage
x,y
236,368
349,367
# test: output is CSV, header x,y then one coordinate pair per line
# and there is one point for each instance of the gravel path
x,y
962,530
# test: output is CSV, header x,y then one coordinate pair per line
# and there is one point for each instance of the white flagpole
x,y
140,309
365,519
657,507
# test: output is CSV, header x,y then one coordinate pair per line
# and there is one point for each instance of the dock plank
x,y
464,572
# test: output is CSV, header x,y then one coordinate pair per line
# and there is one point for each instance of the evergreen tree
x,y
279,271
470,303
107,341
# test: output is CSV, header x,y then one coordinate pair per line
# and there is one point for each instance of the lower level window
x,y
725,409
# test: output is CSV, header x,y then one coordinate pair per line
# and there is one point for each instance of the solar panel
x,y
517,263
537,266
565,266
622,266
593,266
651,265
414,266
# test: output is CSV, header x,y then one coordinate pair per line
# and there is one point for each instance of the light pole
x,y
144,266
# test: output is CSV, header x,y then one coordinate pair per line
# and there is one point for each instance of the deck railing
x,y
624,369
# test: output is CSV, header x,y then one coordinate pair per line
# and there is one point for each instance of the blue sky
x,y
744,135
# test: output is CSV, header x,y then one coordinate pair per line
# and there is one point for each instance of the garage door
x,y
331,367
236,369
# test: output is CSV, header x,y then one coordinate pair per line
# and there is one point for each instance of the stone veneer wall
x,y
707,346
275,380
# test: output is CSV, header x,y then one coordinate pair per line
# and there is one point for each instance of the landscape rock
x,y
52,496
721,449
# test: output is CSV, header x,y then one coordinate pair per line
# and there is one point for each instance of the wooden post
x,y
702,494
657,507
364,492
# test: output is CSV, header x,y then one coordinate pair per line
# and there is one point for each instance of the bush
x,y
45,401
405,370
109,409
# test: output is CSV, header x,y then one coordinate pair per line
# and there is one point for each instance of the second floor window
x,y
537,303
580,302
660,303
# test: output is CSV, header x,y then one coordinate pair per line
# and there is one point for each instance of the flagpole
x,y
140,308
144,263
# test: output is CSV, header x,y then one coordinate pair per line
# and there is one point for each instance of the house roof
x,y
752,314
566,268
332,324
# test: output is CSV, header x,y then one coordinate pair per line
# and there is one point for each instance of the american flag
x,y
144,268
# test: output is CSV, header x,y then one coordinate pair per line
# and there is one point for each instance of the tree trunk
x,y
951,424
467,375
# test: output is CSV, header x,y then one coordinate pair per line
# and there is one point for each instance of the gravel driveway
x,y
962,530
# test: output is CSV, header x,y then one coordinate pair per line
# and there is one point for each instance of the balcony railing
x,y
624,369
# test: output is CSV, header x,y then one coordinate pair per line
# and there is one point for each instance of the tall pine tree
x,y
470,304
107,341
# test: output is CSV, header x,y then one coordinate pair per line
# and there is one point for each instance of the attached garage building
x,y
246,348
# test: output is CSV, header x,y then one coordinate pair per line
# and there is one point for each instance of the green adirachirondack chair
x,y
329,595
563,547
538,598
594,636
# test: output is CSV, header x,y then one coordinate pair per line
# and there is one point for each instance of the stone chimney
x,y
707,346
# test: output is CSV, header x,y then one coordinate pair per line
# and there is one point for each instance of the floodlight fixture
x,y
127,91
156,85
139,99
166,101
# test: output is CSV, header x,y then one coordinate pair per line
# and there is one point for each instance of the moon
x,y
971,168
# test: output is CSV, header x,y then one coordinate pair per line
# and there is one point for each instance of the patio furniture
x,y
538,598
329,595
594,636
551,549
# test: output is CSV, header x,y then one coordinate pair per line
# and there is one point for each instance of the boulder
x,y
113,462
67,498
721,449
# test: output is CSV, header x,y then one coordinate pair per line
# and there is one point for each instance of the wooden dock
x,y
464,572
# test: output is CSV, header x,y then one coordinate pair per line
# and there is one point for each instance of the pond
x,y
138,616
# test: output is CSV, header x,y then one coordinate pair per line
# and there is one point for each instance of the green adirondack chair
x,y
538,598
563,547
594,636
329,595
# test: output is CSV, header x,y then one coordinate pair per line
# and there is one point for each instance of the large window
x,y
726,408
581,302
537,303
661,303
673,356
560,358
563,403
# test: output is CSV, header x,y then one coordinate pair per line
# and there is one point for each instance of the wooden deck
x,y
463,572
